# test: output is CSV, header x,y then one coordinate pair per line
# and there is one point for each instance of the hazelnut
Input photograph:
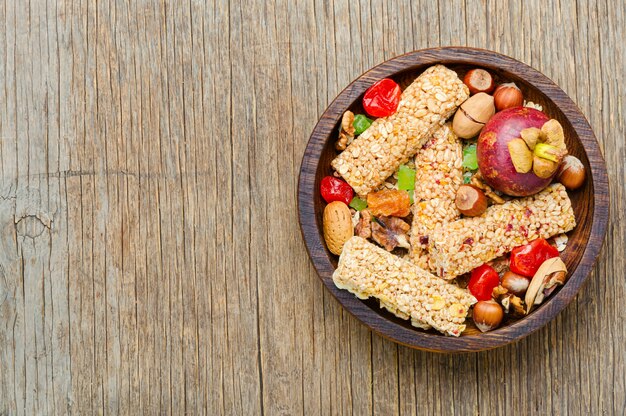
x,y
479,80
515,283
472,115
571,173
507,96
470,200
487,315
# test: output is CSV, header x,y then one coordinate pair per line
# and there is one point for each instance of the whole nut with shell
x,y
337,223
472,115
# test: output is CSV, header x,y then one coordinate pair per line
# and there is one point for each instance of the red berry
x,y
526,259
482,282
382,98
334,189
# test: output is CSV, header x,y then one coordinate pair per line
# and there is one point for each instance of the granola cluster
x,y
404,289
438,176
462,245
390,141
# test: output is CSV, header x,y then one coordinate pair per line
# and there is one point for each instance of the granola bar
x,y
462,245
390,141
439,173
401,287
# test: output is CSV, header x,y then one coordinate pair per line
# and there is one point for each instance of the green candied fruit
x,y
361,123
467,177
406,178
470,162
358,204
411,196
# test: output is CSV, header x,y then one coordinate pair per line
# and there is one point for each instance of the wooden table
x,y
151,260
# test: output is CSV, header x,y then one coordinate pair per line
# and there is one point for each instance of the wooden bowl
x,y
590,203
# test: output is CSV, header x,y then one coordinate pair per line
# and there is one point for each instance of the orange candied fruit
x,y
389,203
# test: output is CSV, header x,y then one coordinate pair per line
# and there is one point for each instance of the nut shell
x,y
471,117
470,200
337,223
487,315
571,173
508,96
479,80
515,283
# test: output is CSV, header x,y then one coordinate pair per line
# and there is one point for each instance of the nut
x,y
363,228
515,283
337,226
390,232
487,315
479,80
470,200
571,173
346,131
521,156
471,117
552,272
507,96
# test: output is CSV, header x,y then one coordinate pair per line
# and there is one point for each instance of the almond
x,y
337,226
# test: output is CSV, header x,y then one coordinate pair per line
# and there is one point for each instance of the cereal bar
x,y
390,141
439,173
462,245
401,287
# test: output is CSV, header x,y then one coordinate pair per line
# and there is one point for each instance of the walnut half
x,y
390,232
346,131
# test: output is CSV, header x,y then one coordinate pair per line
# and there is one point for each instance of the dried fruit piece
x,y
335,189
521,156
389,202
438,302
382,98
553,132
390,232
530,136
544,168
550,152
457,310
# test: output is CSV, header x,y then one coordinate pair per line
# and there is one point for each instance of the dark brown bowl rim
x,y
412,337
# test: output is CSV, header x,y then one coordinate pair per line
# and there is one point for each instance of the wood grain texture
x,y
151,259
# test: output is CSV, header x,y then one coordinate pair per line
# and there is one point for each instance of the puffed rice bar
x,y
462,245
391,141
401,287
439,173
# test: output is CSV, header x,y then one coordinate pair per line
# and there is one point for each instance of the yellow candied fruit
x,y
438,302
457,310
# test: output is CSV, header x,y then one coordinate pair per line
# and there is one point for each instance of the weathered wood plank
x,y
150,257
